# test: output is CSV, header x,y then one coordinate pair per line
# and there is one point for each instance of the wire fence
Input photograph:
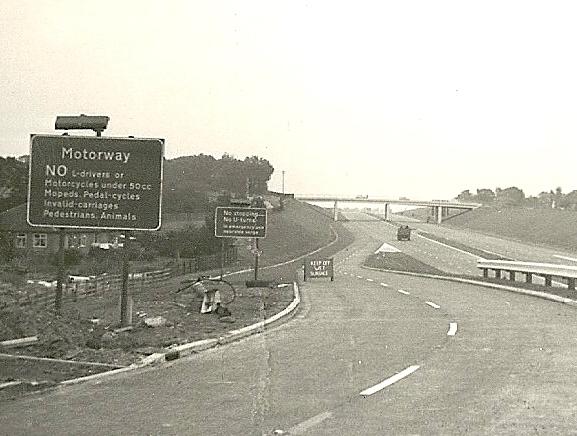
x,y
79,288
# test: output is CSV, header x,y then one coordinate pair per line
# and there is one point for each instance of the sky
x,y
417,99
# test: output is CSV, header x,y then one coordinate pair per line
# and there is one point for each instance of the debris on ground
x,y
88,330
154,321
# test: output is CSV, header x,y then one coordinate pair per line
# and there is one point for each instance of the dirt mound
x,y
57,333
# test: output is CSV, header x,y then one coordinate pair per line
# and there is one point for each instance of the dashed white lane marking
x,y
360,277
384,284
433,305
11,383
370,280
376,388
452,329
403,292
309,423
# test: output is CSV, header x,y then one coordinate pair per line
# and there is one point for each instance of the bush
x,y
72,256
13,276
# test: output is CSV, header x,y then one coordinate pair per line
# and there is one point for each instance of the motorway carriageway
x,y
371,353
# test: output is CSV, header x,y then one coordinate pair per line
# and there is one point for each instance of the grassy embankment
x,y
549,227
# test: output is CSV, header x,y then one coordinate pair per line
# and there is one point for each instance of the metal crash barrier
x,y
529,269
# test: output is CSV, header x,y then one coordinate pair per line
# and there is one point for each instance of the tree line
x,y
196,184
190,183
515,197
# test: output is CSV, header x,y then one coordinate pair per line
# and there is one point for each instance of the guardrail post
x,y
548,280
529,277
571,283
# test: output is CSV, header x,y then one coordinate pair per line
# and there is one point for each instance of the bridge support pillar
x,y
439,214
387,210
336,212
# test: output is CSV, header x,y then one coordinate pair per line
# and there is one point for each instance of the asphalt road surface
x,y
371,353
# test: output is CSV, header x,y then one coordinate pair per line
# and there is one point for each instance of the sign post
x,y
82,182
125,306
241,222
61,271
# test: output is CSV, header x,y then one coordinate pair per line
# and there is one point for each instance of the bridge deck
x,y
430,203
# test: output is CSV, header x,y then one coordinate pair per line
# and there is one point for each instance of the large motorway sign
x,y
95,182
240,222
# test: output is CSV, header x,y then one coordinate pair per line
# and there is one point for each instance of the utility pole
x,y
282,196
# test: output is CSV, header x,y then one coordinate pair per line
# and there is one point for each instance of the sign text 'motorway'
x,y
95,182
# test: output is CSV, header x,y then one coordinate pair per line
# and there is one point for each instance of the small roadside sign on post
x,y
241,222
319,268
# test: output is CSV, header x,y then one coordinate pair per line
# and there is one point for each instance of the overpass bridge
x,y
440,208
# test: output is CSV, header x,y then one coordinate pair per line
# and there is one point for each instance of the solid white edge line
x,y
433,305
376,388
452,329
448,246
403,292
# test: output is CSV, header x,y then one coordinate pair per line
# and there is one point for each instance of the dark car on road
x,y
404,233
